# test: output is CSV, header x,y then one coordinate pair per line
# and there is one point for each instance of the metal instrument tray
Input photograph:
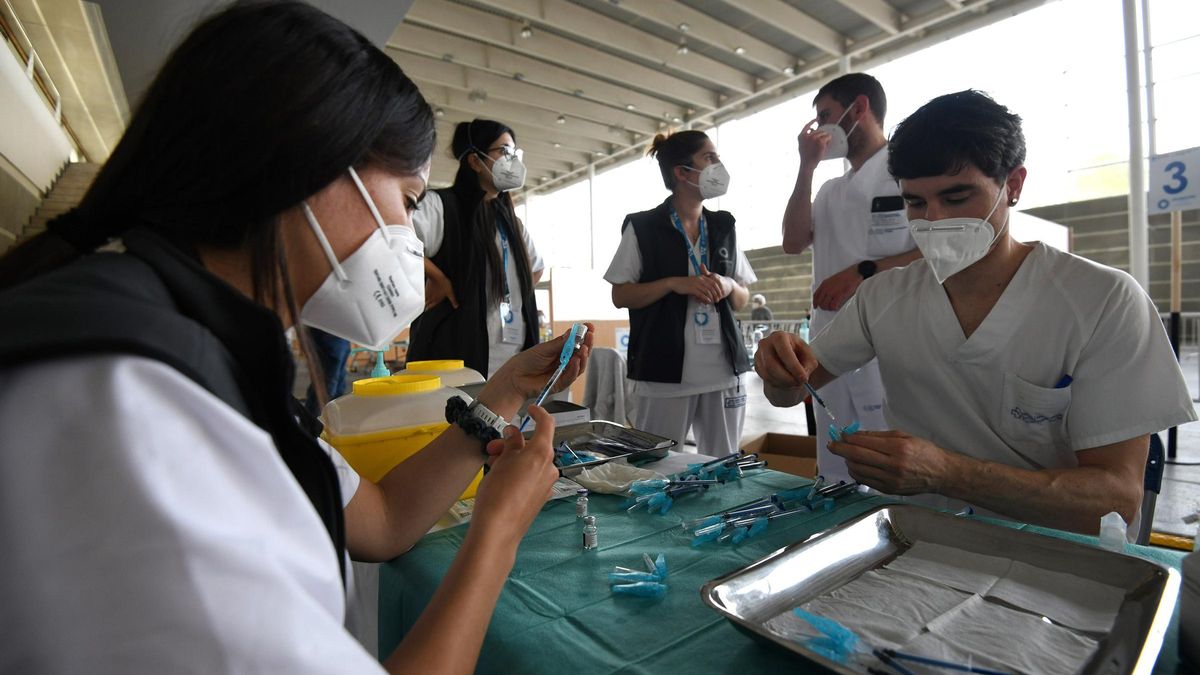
x,y
650,446
794,575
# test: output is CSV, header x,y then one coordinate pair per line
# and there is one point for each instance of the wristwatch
x,y
475,419
866,269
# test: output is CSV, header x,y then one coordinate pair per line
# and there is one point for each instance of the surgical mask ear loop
x,y
329,255
362,190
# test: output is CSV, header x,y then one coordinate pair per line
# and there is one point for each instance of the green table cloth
x,y
557,613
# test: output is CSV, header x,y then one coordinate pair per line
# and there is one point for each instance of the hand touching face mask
x,y
839,138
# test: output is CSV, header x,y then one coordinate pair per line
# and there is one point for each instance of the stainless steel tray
x,y
803,571
652,446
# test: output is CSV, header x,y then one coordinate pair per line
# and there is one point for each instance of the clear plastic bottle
x,y
581,503
590,538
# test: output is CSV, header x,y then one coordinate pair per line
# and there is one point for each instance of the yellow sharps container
x,y
454,372
386,420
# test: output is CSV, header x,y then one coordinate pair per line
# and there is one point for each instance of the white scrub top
x,y
849,225
149,527
429,220
705,367
1001,395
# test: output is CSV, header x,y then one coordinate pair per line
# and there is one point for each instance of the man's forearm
x,y
797,217
1069,499
898,260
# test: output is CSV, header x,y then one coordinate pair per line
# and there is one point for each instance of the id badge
x,y
510,331
708,326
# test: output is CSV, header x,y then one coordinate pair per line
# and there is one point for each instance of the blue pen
x,y
1064,382
574,342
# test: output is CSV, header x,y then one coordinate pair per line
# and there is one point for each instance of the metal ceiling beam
x,y
498,31
460,77
785,17
631,43
877,12
433,43
706,29
584,145
509,110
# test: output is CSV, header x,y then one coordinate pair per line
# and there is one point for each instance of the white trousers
x,y
856,395
715,417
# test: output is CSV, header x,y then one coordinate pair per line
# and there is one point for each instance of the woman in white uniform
x,y
682,275
165,508
481,264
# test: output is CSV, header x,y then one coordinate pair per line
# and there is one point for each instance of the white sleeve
x,y
348,478
743,273
151,528
845,343
536,264
429,220
626,265
1127,381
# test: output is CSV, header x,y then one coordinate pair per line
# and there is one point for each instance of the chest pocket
x,y
1033,416
887,231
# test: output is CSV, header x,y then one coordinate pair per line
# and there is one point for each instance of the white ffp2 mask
x,y
377,291
508,173
839,138
951,245
713,180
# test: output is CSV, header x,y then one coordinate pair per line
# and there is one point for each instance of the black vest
x,y
656,331
157,302
443,332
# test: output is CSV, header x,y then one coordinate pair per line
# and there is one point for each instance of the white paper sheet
x,y
999,635
1068,599
884,608
963,570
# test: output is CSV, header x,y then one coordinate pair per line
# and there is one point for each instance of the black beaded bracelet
x,y
459,412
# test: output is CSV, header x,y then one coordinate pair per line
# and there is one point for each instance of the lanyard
x,y
504,256
688,242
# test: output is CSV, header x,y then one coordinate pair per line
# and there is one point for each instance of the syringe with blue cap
x,y
836,431
573,344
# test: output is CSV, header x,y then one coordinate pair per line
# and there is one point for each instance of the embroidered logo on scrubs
x,y
735,401
1028,418
723,252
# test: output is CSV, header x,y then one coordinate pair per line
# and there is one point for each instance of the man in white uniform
x,y
856,227
1020,379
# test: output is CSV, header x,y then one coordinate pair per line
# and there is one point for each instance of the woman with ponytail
x,y
680,272
481,265
167,505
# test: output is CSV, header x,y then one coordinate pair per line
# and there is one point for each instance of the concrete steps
x,y
64,195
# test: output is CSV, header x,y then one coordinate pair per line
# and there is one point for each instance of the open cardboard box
x,y
796,455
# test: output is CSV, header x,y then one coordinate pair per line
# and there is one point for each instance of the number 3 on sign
x,y
1179,182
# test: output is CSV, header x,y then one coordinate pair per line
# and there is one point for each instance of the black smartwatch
x,y
866,269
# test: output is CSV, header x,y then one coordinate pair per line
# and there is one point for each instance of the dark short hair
x,y
675,150
849,87
952,131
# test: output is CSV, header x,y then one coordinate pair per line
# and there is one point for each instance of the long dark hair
x,y
261,106
474,138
